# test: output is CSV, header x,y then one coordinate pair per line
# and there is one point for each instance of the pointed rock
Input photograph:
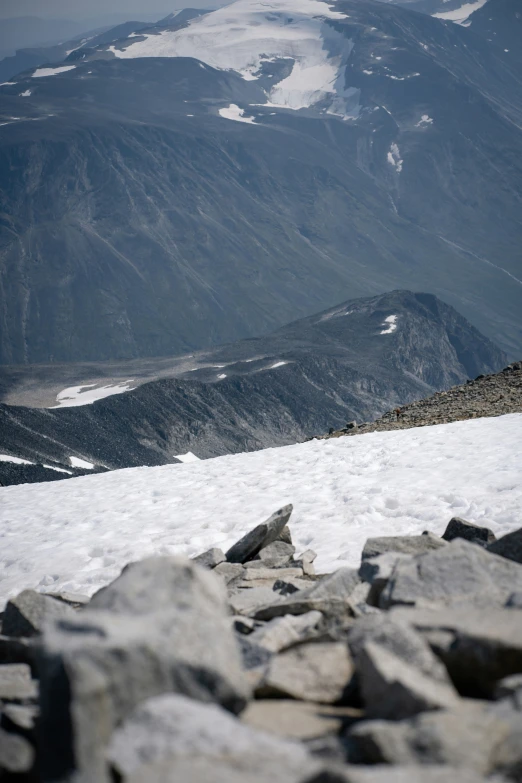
x,y
509,546
460,528
26,614
260,537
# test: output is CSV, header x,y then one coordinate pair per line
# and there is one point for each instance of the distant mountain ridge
x,y
356,360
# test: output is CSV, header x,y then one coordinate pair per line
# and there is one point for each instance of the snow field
x,y
74,396
77,534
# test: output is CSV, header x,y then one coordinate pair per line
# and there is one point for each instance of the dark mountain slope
x,y
136,221
354,361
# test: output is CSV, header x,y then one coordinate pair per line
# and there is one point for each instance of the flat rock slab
x,y
298,719
276,554
16,683
247,601
282,632
229,571
271,573
211,558
460,528
161,627
317,672
408,545
182,735
461,572
394,690
27,614
260,537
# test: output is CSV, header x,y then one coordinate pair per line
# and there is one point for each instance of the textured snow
x,y
233,112
52,71
77,534
245,34
77,395
76,462
462,14
188,457
390,323
14,460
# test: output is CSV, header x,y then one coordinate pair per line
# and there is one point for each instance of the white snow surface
x,y
245,34
52,71
390,323
462,14
77,534
86,394
233,112
77,462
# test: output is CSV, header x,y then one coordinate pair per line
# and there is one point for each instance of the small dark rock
x,y
509,546
460,528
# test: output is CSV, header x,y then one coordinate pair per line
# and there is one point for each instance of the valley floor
x,y
76,535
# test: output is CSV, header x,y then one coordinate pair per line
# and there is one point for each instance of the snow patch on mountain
x,y
77,395
390,323
52,71
394,158
233,112
14,460
461,15
76,462
248,34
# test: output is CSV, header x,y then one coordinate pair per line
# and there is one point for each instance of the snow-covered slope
x,y
249,36
77,534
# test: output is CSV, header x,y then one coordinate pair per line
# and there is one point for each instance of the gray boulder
x,y
407,545
16,755
260,537
376,571
394,690
229,572
282,632
478,647
461,572
330,595
172,738
509,546
276,554
16,683
211,558
161,627
301,720
310,672
26,614
460,528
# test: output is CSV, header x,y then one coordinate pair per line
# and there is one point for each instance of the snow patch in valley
x,y
233,112
52,71
76,395
14,460
76,462
249,33
77,534
462,14
390,323
394,158
188,457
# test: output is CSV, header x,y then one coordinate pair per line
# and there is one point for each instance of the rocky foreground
x,y
488,395
248,667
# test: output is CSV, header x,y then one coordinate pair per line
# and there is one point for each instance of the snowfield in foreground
x,y
77,534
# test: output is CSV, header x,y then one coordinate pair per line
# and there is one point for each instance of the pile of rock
x,y
248,667
487,395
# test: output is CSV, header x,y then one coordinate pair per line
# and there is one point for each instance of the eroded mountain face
x,y
216,177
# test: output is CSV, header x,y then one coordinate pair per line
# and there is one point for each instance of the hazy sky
x,y
88,9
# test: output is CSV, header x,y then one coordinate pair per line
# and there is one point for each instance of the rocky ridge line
x,y
488,395
248,667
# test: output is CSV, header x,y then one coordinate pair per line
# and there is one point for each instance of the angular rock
x,y
460,528
26,614
16,683
376,571
311,672
16,754
183,739
407,545
394,690
468,736
275,555
478,647
162,626
73,599
244,625
509,687
282,632
461,572
260,537
248,601
307,562
330,595
509,546
19,718
229,571
298,719
401,640
272,574
211,558
285,535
